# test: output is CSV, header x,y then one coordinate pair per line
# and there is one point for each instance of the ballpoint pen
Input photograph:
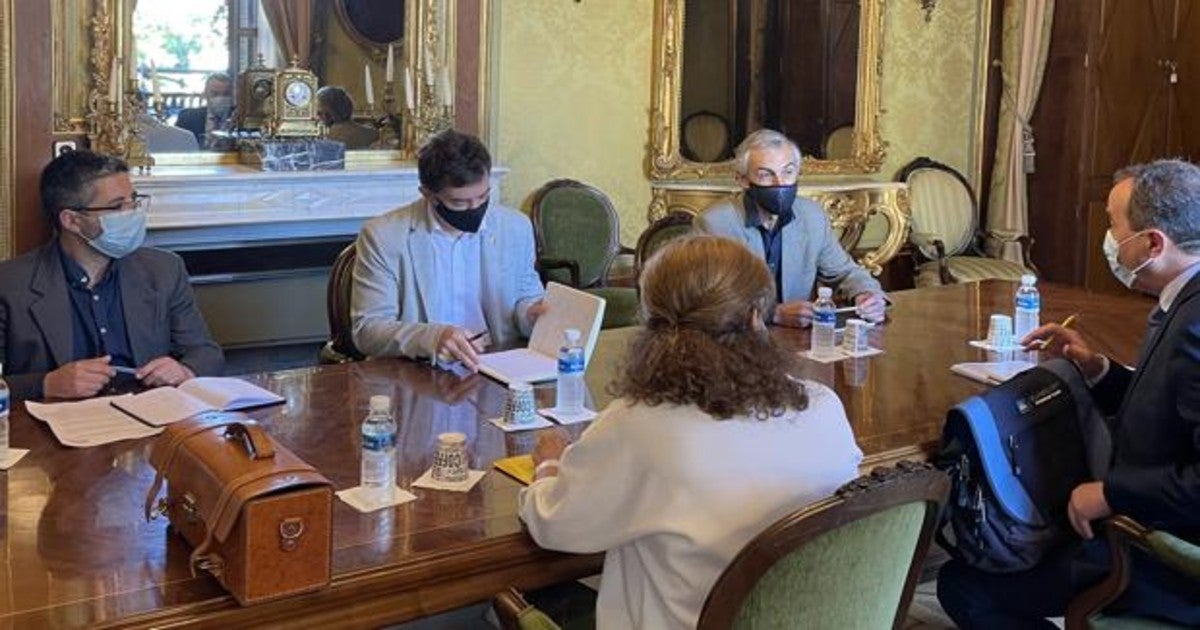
x,y
1066,323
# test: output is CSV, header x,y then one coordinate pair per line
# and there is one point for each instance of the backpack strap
x,y
1005,485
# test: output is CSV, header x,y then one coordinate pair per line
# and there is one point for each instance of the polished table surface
x,y
78,553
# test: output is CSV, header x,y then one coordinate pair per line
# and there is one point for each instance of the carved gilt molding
x,y
664,160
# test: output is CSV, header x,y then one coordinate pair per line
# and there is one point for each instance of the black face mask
x,y
467,220
776,200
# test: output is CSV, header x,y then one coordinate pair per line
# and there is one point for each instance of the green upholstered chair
x,y
1087,609
945,229
839,144
340,347
661,232
578,237
850,561
705,137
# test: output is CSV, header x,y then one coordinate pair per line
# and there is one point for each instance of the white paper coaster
x,y
840,355
13,456
427,481
983,343
539,423
568,418
356,498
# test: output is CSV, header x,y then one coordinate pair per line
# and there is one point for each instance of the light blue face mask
x,y
1123,274
121,233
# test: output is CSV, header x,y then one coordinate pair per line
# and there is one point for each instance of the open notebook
x,y
164,405
991,372
566,308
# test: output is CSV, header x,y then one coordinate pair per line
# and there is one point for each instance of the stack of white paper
x,y
991,372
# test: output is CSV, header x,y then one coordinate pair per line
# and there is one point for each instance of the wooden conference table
x,y
78,553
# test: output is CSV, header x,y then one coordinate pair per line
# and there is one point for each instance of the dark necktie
x,y
1153,323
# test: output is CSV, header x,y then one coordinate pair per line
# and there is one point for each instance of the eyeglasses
x,y
137,202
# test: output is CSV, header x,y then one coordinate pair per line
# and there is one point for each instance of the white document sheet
x,y
991,372
89,422
566,308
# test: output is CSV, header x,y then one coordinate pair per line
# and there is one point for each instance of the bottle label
x,y
1029,302
825,317
570,362
4,404
378,442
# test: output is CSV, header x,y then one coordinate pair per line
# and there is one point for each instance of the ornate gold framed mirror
x,y
96,70
757,66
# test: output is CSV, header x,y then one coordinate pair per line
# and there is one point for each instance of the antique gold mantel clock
x,y
292,110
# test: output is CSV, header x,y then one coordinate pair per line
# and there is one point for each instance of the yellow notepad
x,y
519,467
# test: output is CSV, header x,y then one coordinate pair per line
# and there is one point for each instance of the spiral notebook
x,y
566,308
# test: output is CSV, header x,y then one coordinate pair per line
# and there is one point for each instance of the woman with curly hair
x,y
709,441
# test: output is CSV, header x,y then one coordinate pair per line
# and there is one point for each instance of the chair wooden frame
x,y
340,348
883,489
509,604
673,220
1123,533
614,242
973,246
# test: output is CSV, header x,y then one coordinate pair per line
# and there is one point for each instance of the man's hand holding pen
x,y
456,344
1059,340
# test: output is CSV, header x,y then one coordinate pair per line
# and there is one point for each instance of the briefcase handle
x,y
252,438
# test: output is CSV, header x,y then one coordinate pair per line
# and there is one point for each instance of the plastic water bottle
x,y
1028,307
3,413
824,322
379,451
570,390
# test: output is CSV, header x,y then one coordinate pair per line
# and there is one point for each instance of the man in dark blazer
x,y
1153,245
92,302
218,107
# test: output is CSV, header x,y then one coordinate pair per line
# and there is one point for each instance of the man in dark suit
x,y
217,110
92,302
1153,245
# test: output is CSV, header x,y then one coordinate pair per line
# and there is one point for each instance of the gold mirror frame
x,y
667,163
87,34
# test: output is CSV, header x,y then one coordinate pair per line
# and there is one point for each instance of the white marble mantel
x,y
226,205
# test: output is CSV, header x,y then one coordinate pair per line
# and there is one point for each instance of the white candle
x,y
446,91
409,96
369,88
114,80
155,88
391,60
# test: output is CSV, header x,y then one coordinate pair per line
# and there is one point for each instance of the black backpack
x,y
1014,454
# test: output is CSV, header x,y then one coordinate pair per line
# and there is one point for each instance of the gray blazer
x,y
810,248
161,317
394,281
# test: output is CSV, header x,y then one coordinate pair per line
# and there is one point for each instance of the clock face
x,y
297,94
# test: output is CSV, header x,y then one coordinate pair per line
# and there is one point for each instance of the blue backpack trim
x,y
1007,489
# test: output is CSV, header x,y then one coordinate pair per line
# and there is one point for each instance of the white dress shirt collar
x,y
1171,291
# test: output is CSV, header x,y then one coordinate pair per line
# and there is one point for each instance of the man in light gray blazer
x,y
791,234
445,276
93,301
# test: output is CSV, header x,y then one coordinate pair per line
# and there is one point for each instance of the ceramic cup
x,y
855,339
1000,332
520,408
450,461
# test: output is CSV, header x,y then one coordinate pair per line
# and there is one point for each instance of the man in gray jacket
x,y
445,276
93,302
791,234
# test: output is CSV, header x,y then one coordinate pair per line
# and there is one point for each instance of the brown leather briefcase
x,y
258,517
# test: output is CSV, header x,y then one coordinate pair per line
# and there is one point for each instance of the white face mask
x,y
121,233
1111,248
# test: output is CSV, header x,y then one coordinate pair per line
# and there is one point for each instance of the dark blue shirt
x,y
772,241
97,314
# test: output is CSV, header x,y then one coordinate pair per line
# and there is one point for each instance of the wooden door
x,y
1183,90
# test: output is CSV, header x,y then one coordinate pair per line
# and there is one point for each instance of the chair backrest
x,y
574,221
943,207
337,303
839,144
659,233
705,137
849,561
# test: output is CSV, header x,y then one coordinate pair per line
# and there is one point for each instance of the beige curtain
x,y
1026,41
291,22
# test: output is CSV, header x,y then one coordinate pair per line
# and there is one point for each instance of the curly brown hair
x,y
704,343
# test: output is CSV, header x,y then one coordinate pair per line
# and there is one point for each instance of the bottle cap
x,y
571,335
381,403
824,292
1028,279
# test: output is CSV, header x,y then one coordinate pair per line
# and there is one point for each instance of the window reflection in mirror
x,y
790,65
